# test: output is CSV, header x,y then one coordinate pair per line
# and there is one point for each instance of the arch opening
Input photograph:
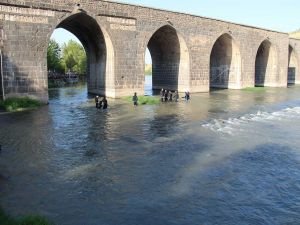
x,y
225,64
66,59
265,65
99,52
170,60
148,73
292,66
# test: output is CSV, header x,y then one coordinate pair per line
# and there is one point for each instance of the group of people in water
x,y
165,96
101,104
169,96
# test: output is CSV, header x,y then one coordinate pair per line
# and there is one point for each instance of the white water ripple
x,y
232,125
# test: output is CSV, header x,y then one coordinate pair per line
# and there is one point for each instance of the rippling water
x,y
225,157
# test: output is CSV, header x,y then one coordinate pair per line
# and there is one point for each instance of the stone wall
x,y
116,36
294,60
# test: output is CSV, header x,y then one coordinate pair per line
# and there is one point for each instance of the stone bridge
x,y
188,52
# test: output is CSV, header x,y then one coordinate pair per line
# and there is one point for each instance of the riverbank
x,y
255,89
19,104
26,220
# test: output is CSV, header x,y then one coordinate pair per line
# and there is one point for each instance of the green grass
x,y
5,219
144,100
26,220
19,104
254,89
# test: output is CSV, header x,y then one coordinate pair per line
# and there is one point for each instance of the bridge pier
x,y
293,62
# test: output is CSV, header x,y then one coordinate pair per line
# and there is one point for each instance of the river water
x,y
225,157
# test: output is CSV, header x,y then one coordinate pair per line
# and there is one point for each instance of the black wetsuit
x,y
104,101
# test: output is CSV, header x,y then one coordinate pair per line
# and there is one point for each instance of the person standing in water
x,y
170,96
104,101
187,96
97,101
135,99
166,95
162,94
176,96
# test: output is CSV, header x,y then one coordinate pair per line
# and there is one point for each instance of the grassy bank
x,y
144,100
26,220
19,104
254,89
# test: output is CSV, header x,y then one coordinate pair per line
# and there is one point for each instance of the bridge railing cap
x,y
194,15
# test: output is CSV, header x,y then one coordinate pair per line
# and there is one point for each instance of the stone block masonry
x,y
188,52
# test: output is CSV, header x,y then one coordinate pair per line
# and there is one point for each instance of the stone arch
x,y
225,63
99,50
292,66
170,59
266,64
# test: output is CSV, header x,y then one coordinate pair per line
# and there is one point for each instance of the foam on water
x,y
232,125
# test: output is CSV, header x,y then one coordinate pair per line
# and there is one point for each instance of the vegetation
x,y
295,34
27,220
71,57
53,57
145,100
254,89
148,69
56,83
74,57
19,104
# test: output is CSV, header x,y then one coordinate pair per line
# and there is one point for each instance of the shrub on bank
x,y
254,89
18,104
145,100
5,219
56,83
27,220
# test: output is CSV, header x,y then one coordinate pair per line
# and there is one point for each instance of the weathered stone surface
x,y
188,52
294,61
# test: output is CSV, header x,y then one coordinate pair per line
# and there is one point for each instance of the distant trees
x,y
53,57
74,57
295,34
71,57
148,69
